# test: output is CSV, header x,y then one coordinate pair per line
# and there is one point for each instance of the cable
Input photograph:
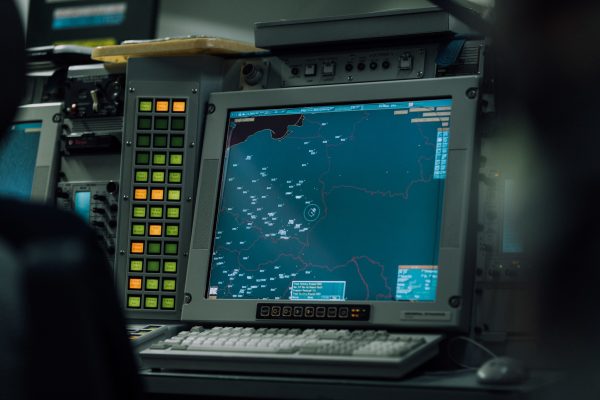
x,y
470,341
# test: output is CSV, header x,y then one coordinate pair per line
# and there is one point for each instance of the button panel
x,y
324,312
159,156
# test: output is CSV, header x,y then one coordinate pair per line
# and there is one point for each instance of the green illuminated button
x,y
172,230
134,301
161,123
171,248
169,285
154,247
145,105
141,175
143,140
144,122
168,303
160,140
138,229
151,284
156,212
175,159
173,194
136,265
158,176
159,159
170,266
151,302
142,158
177,123
174,176
173,212
177,141
153,266
139,211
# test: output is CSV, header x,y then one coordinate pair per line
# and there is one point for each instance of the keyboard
x,y
287,351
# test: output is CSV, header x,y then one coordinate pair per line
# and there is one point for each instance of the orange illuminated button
x,y
155,230
162,105
137,247
179,106
135,283
157,194
140,194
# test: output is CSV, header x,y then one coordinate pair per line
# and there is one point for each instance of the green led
x,y
177,140
151,302
168,303
160,140
175,159
169,285
156,212
134,301
151,284
175,177
177,123
158,176
139,211
173,194
136,265
170,267
144,122
172,230
153,266
145,105
173,212
142,158
159,159
161,123
141,175
138,229
171,248
143,140
154,247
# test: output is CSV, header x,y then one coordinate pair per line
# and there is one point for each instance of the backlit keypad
x,y
159,157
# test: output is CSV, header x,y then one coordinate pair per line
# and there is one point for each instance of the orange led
x,y
137,247
155,230
140,194
157,194
162,105
179,106
135,283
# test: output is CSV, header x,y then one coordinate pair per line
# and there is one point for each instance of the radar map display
x,y
338,202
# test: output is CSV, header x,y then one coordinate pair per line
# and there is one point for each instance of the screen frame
x,y
46,163
445,312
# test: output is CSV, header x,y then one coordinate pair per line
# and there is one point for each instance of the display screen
x,y
332,203
18,153
82,203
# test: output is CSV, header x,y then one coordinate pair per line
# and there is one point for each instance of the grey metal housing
x,y
451,280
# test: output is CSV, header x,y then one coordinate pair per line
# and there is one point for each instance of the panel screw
x,y
122,252
454,301
194,90
131,90
211,108
192,144
128,143
472,93
125,197
420,74
187,298
189,199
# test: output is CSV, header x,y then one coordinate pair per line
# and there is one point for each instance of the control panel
x,y
316,311
97,204
159,164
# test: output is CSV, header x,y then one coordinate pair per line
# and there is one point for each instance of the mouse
x,y
502,371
